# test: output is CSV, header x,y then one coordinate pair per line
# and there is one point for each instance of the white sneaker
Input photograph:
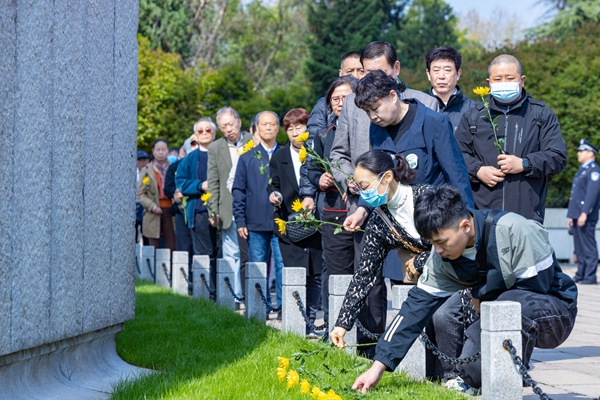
x,y
457,384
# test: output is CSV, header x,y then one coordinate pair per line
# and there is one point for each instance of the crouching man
x,y
499,256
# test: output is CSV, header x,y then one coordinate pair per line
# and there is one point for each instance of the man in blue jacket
x,y
252,210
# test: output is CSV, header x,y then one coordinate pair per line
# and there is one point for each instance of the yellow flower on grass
x,y
302,155
247,147
315,392
280,225
297,205
146,181
292,379
283,362
302,138
304,387
482,90
281,374
205,197
331,395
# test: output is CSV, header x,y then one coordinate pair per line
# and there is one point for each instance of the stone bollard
x,y
413,363
500,320
147,266
256,272
294,280
338,285
224,270
201,268
138,261
163,268
180,275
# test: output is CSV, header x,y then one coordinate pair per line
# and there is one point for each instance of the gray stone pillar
x,y
138,261
338,286
413,363
294,280
224,270
201,276
256,272
163,268
180,275
500,320
148,264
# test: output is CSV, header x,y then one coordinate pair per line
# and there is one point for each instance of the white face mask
x,y
505,92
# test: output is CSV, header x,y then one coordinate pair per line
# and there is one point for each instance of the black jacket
x,y
538,139
457,105
170,186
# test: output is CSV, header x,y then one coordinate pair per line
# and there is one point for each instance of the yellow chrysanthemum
x,y
292,379
482,90
281,374
304,387
297,205
315,392
302,138
302,155
205,197
146,181
283,362
280,225
248,146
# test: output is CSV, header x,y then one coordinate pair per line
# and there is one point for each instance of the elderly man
x,y
511,172
222,154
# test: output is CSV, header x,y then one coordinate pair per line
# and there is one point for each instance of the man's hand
x,y
308,203
275,198
353,187
569,222
205,186
490,176
355,220
178,196
326,181
581,220
510,164
337,336
156,210
370,378
214,221
243,232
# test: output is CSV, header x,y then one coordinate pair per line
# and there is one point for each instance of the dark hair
x,y
253,123
378,49
158,141
337,82
294,117
443,53
378,162
438,208
375,86
350,54
173,149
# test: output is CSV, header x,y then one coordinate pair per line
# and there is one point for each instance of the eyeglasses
x,y
207,130
337,99
362,189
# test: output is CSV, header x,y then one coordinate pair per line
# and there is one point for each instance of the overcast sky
x,y
529,11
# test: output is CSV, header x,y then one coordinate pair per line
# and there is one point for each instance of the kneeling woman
x,y
384,181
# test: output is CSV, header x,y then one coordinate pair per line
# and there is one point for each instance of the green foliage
x,y
166,24
201,351
572,15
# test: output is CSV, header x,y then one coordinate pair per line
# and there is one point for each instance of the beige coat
x,y
148,196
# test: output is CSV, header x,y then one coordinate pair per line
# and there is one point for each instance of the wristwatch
x,y
526,165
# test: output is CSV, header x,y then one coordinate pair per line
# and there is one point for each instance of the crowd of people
x,y
411,170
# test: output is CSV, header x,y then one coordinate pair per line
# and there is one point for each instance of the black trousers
x,y
586,250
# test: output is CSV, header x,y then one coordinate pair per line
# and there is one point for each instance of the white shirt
x,y
402,208
295,153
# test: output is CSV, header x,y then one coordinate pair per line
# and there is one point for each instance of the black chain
x,y
264,300
167,275
137,266
366,332
150,269
454,361
522,369
203,278
303,312
185,275
469,314
238,298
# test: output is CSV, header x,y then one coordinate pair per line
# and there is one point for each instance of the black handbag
x,y
298,231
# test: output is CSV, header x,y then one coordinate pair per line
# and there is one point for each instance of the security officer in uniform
x,y
583,213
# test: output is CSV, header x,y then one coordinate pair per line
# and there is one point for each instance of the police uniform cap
x,y
142,154
585,144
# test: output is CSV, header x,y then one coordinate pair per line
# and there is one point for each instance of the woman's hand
x,y
411,271
355,220
178,196
275,198
337,337
156,210
326,181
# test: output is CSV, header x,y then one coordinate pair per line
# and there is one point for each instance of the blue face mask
x,y
505,92
372,197
172,158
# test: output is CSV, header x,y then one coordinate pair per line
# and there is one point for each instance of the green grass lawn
x,y
201,351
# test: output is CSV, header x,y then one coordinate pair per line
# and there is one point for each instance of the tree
x,y
574,14
501,30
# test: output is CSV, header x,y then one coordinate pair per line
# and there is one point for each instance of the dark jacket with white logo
x,y
585,192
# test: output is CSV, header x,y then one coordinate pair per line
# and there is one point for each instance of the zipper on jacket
x,y
505,143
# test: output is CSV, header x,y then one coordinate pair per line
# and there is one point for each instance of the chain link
x,y
469,314
522,369
305,316
150,269
185,276
270,308
167,275
203,278
238,298
449,360
365,331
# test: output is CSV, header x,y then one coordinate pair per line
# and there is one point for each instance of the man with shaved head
x,y
510,171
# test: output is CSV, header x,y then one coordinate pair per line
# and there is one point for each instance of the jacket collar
x,y
510,107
